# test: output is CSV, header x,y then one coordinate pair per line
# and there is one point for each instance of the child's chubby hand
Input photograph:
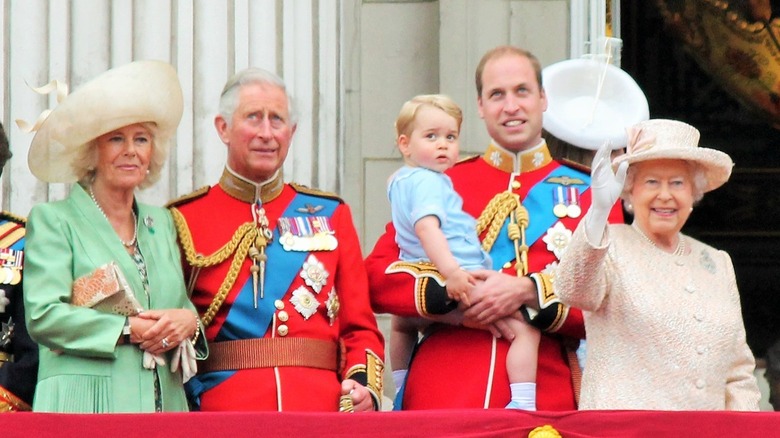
x,y
459,284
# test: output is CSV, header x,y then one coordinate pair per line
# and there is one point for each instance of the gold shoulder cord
x,y
11,403
493,216
239,244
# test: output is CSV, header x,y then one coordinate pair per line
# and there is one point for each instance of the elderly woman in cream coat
x,y
121,353
662,310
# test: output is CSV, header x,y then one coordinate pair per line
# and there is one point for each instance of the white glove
x,y
184,355
152,360
606,187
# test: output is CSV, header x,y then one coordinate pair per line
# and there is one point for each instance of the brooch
x,y
707,262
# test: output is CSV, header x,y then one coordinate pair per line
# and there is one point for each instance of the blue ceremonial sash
x,y
539,203
19,245
243,321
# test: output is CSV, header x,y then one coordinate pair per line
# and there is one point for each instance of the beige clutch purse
x,y
106,289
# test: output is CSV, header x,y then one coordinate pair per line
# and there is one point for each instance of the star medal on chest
x,y
6,332
263,235
314,273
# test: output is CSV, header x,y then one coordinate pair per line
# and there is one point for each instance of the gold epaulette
x,y
315,192
188,197
12,217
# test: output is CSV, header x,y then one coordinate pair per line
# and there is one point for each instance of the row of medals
x,y
11,266
566,202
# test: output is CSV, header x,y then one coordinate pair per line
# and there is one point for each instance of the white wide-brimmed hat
x,y
660,139
139,92
590,102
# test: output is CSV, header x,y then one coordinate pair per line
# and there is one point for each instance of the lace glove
x,y
153,360
184,355
606,187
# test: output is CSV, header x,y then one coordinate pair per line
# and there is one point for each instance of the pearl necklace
x,y
680,250
131,242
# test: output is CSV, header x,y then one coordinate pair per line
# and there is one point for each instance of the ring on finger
x,y
165,343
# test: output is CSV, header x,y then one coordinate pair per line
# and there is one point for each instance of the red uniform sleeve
x,y
400,293
362,340
358,324
390,293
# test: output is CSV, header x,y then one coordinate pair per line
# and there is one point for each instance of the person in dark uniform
x,y
18,353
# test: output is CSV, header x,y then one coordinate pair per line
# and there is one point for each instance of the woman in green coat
x,y
104,291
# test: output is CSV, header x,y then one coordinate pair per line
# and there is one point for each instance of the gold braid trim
x,y
516,231
493,216
11,403
546,292
239,244
375,368
219,256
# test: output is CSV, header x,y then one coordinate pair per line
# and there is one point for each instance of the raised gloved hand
x,y
184,355
606,187
150,360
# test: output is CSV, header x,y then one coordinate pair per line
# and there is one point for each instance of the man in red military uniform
x,y
527,205
276,272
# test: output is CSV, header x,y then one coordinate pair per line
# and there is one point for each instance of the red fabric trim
x,y
441,423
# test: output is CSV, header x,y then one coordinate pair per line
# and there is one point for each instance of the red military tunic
x,y
312,296
458,367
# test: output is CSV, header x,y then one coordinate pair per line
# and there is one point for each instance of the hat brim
x,y
576,116
139,92
717,165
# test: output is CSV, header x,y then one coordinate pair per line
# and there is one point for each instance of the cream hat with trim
x,y
661,139
590,102
142,91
